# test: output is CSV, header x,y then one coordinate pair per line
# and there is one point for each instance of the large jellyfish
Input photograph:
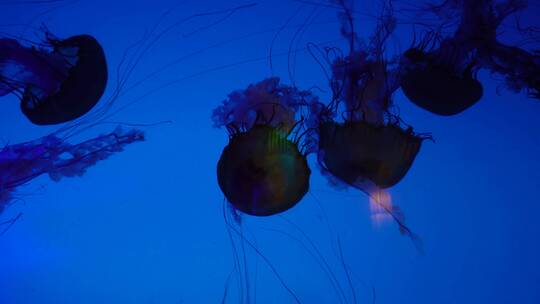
x,y
263,170
438,74
57,81
368,150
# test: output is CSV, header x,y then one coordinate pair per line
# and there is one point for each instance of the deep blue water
x,y
146,225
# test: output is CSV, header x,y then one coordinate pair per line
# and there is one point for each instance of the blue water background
x,y
146,225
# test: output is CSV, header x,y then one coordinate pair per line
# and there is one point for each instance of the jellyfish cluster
x,y
356,135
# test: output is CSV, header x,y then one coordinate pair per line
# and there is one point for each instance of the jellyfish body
x,y
438,75
367,145
370,158
360,143
54,86
52,155
353,151
440,78
262,171
438,85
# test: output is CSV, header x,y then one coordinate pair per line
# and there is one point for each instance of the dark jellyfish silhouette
x,y
438,74
54,156
56,83
368,149
262,171
357,149
439,84
369,143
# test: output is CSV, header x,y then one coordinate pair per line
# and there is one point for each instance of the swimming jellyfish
x,y
263,171
57,81
438,73
368,149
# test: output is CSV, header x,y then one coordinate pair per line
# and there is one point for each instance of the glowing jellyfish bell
x,y
57,82
262,171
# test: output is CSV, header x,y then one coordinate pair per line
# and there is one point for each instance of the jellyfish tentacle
x,y
274,270
50,155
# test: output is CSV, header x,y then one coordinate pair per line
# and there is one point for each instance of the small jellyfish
x,y
439,73
56,82
263,170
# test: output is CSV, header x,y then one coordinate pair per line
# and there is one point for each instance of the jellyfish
x,y
443,87
57,81
438,74
263,171
368,149
52,155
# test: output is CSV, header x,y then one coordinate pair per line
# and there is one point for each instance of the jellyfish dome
x,y
438,85
56,83
381,154
262,171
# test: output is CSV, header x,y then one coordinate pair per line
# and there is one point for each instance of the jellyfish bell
x,y
54,86
263,171
355,150
436,83
437,73
79,92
